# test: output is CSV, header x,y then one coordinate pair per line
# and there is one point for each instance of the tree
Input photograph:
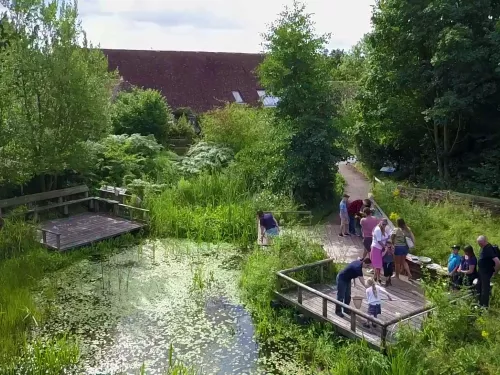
x,y
142,112
431,88
55,91
297,71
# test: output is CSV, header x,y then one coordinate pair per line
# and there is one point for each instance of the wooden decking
x,y
318,301
85,229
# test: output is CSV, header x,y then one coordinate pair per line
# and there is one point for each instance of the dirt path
x,y
346,249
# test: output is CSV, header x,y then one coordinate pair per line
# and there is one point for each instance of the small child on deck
x,y
374,301
388,262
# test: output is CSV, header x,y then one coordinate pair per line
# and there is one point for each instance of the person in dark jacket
x,y
352,271
354,209
489,265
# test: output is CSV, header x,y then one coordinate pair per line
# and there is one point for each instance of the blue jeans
x,y
352,225
343,293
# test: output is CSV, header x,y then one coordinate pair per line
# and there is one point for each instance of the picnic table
x,y
417,266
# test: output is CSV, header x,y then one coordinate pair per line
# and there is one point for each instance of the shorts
x,y
367,243
374,310
344,220
388,269
401,250
272,232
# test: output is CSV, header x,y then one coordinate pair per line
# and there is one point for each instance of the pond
x,y
127,310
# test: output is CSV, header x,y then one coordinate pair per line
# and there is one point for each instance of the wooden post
x,y
44,236
131,214
115,209
299,295
66,210
325,308
96,207
86,194
353,321
383,337
58,238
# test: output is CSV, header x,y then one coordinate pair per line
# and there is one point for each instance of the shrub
x,y
182,128
16,237
144,112
205,157
236,126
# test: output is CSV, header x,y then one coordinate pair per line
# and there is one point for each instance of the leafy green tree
x,y
142,112
55,90
297,71
431,90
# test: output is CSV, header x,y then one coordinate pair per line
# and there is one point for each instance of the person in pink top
x,y
368,223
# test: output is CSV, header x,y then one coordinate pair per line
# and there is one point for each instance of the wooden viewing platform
x,y
318,301
104,219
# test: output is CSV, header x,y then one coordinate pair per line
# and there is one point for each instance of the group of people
x,y
387,249
467,270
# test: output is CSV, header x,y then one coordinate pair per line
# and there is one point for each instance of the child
x,y
373,298
388,259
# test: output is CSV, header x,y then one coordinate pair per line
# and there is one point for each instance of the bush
x,y
236,126
205,157
182,128
144,112
122,158
16,237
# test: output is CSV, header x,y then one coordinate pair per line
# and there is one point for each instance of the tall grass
x,y
438,226
210,208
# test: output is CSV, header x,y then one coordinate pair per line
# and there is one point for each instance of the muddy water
x,y
130,308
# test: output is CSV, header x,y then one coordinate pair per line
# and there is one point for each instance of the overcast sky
x,y
212,25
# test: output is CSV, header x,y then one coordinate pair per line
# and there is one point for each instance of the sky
x,y
212,25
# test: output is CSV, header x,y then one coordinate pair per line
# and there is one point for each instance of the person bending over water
x,y
268,225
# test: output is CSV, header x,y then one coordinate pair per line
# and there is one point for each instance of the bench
x,y
44,201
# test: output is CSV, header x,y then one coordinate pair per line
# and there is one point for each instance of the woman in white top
x,y
373,299
380,236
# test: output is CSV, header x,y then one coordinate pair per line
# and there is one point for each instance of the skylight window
x,y
237,97
267,101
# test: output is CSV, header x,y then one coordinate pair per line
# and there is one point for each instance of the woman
x,y
380,236
268,225
401,236
468,267
368,224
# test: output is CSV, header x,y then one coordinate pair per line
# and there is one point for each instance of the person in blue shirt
x,y
454,264
344,217
351,272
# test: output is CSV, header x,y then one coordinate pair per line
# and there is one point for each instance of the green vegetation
x,y
143,112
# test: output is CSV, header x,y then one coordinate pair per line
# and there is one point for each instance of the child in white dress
x,y
374,301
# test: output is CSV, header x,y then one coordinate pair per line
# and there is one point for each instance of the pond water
x,y
127,310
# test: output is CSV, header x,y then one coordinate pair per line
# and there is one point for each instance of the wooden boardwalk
x,y
318,301
85,229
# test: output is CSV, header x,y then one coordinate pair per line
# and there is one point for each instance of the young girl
x,y
373,299
388,259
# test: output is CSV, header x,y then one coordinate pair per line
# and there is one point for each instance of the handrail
x,y
333,300
132,207
305,266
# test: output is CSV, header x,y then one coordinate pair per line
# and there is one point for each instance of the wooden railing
x,y
44,237
326,300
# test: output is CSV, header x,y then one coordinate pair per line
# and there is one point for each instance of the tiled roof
x,y
199,80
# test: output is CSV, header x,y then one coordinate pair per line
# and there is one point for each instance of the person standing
x,y
368,224
388,262
400,237
344,217
468,267
352,271
353,210
489,265
380,237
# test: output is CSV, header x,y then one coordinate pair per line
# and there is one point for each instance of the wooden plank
x,y
25,199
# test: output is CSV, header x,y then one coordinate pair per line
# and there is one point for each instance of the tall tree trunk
x,y
437,146
446,153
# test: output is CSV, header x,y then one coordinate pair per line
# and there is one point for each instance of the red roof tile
x,y
199,80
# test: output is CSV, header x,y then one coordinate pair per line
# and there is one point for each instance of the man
x,y
268,225
352,271
489,265
353,210
344,217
